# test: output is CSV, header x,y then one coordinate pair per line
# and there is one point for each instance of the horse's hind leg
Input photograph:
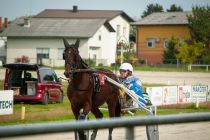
x,y
95,110
110,133
112,107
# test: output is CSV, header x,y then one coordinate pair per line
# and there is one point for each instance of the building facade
x,y
40,37
155,31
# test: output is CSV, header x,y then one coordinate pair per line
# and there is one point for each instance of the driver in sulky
x,y
132,82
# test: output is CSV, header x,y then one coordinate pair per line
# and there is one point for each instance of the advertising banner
x,y
169,95
199,93
184,94
155,94
6,102
208,93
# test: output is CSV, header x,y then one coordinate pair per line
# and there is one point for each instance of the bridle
x,y
72,65
72,52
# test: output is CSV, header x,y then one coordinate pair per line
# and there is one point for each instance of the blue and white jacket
x,y
135,85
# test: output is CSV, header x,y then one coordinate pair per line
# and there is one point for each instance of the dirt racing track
x,y
177,78
186,131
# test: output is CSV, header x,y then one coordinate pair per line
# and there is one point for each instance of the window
x,y
166,43
124,30
118,31
60,53
43,53
99,37
48,75
151,43
30,75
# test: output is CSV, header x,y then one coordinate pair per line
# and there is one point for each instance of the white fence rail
x,y
129,123
197,65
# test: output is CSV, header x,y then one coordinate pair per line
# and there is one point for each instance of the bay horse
x,y
81,93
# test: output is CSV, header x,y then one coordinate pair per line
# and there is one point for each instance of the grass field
x,y
58,112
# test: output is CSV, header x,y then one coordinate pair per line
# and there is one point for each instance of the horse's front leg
x,y
80,113
79,135
83,115
97,113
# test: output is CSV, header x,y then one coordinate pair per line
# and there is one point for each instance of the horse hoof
x,y
93,136
110,138
82,116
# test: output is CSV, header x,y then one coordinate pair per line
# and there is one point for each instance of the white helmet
x,y
126,66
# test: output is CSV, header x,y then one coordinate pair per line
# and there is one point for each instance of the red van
x,y
30,82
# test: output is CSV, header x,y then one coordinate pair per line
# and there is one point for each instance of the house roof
x,y
164,18
82,14
55,27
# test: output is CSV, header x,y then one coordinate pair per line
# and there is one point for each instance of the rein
x,y
90,70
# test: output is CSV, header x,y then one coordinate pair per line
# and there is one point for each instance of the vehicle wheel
x,y
152,132
61,97
45,99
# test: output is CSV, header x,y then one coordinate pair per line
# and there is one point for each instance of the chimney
x,y
75,8
0,23
5,22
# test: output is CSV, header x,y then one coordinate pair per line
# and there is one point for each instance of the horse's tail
x,y
118,109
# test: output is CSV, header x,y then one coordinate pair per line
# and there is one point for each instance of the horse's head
x,y
71,57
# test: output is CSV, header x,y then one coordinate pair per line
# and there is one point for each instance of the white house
x,y
40,37
3,40
2,50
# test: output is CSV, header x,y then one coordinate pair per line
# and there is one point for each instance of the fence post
x,y
23,112
189,67
130,133
177,63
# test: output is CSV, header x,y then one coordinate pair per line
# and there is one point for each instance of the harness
x,y
97,77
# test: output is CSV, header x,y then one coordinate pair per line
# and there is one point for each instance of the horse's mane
x,y
101,70
85,65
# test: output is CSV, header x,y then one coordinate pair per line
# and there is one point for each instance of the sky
x,y
134,8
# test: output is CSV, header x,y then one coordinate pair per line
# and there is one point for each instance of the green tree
x,y
174,8
151,8
199,24
191,52
169,54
